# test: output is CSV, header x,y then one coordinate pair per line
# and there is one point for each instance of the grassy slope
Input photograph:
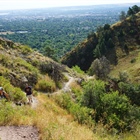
x,y
54,123
125,64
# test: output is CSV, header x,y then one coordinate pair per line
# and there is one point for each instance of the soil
x,y
18,133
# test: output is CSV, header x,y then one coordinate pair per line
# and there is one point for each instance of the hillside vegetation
x,y
113,42
58,29
63,114
69,104
19,64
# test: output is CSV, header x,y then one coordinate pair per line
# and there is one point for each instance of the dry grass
x,y
54,123
125,64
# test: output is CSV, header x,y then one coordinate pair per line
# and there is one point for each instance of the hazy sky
x,y
26,4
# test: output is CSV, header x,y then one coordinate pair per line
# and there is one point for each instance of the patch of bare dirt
x,y
18,133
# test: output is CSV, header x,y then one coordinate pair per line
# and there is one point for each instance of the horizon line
x,y
66,6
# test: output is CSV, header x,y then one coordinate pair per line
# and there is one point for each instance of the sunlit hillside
x,y
112,41
69,103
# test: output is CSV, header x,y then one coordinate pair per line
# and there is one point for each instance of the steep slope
x,y
129,64
113,42
21,64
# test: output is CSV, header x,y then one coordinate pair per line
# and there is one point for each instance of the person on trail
x,y
3,94
28,91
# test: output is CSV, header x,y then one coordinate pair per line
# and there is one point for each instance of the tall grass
x,y
54,123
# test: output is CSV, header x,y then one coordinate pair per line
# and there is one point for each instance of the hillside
x,y
21,64
46,120
57,111
114,42
67,103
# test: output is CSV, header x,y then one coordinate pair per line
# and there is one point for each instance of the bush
x,y
113,110
133,60
25,49
100,67
77,69
46,85
93,90
16,94
131,91
116,110
123,76
80,114
77,90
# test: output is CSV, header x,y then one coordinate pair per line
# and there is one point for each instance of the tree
x,y
105,67
100,67
130,12
106,27
135,9
122,15
95,67
49,52
110,43
93,90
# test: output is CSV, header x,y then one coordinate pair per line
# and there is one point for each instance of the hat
x,y
1,88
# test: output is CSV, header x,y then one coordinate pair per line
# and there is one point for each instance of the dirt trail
x,y
66,87
18,133
34,103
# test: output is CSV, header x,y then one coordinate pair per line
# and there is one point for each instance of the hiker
x,y
3,94
28,91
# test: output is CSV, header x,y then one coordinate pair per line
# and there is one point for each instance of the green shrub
x,y
133,60
64,100
123,76
77,90
16,94
10,114
116,110
4,59
25,49
77,69
19,96
46,85
93,90
6,112
113,110
80,114
132,91
26,65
